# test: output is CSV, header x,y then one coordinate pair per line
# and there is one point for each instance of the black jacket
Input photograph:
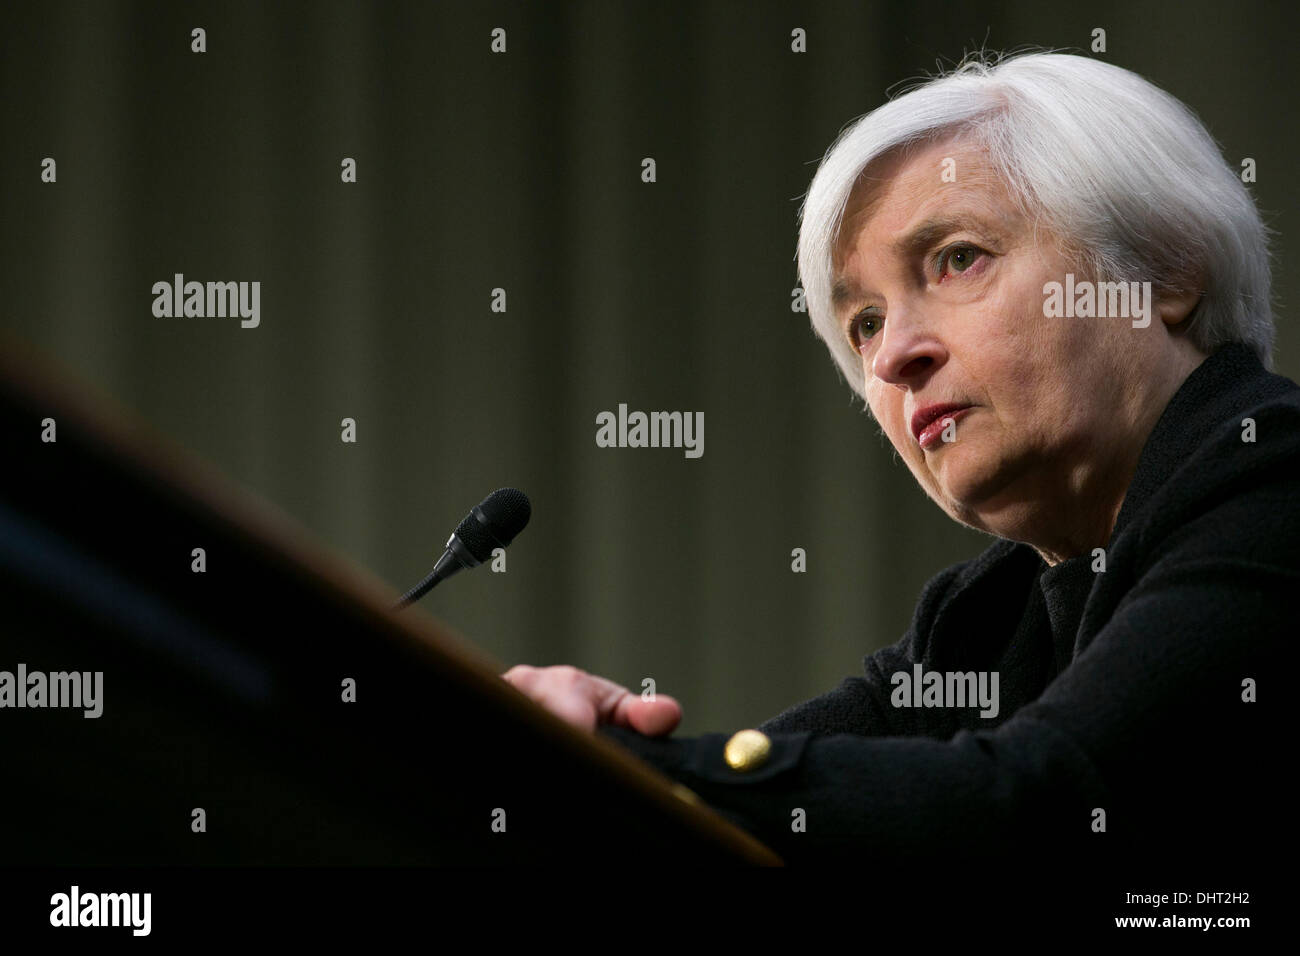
x,y
1120,691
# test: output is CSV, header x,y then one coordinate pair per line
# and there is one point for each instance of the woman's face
x,y
940,285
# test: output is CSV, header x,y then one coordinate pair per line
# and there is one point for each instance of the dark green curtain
x,y
522,171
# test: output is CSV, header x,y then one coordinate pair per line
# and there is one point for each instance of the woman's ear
x,y
1174,306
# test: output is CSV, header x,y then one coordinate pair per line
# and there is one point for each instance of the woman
x,y
1053,295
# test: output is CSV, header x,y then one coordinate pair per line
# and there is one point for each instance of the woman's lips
x,y
933,432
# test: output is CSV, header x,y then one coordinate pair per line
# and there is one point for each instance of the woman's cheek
x,y
891,418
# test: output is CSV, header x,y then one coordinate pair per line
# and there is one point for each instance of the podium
x,y
224,737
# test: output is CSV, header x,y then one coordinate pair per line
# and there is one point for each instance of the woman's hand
x,y
587,701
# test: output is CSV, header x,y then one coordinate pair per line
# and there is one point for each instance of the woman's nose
x,y
909,352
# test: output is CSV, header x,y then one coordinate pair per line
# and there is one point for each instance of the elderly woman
x,y
1053,295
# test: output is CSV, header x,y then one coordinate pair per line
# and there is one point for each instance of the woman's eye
x,y
862,328
958,258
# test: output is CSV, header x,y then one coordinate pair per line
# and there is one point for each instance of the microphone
x,y
492,523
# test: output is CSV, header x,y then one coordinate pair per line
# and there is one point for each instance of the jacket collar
x,y
1218,389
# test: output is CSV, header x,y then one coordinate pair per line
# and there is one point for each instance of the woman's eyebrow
x,y
930,231
843,292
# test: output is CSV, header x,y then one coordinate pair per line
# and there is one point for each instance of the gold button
x,y
747,750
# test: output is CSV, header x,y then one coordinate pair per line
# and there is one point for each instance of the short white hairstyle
x,y
1121,172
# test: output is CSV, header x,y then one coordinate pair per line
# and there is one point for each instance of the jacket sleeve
x,y
1147,725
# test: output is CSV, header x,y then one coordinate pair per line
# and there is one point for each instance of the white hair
x,y
1123,173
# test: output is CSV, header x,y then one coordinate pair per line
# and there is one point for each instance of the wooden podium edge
x,y
105,422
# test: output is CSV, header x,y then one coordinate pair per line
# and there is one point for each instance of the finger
x,y
521,676
574,708
619,706
611,700
653,718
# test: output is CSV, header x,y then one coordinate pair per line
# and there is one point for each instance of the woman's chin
x,y
971,482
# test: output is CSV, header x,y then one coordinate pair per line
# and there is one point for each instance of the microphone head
x,y
494,522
